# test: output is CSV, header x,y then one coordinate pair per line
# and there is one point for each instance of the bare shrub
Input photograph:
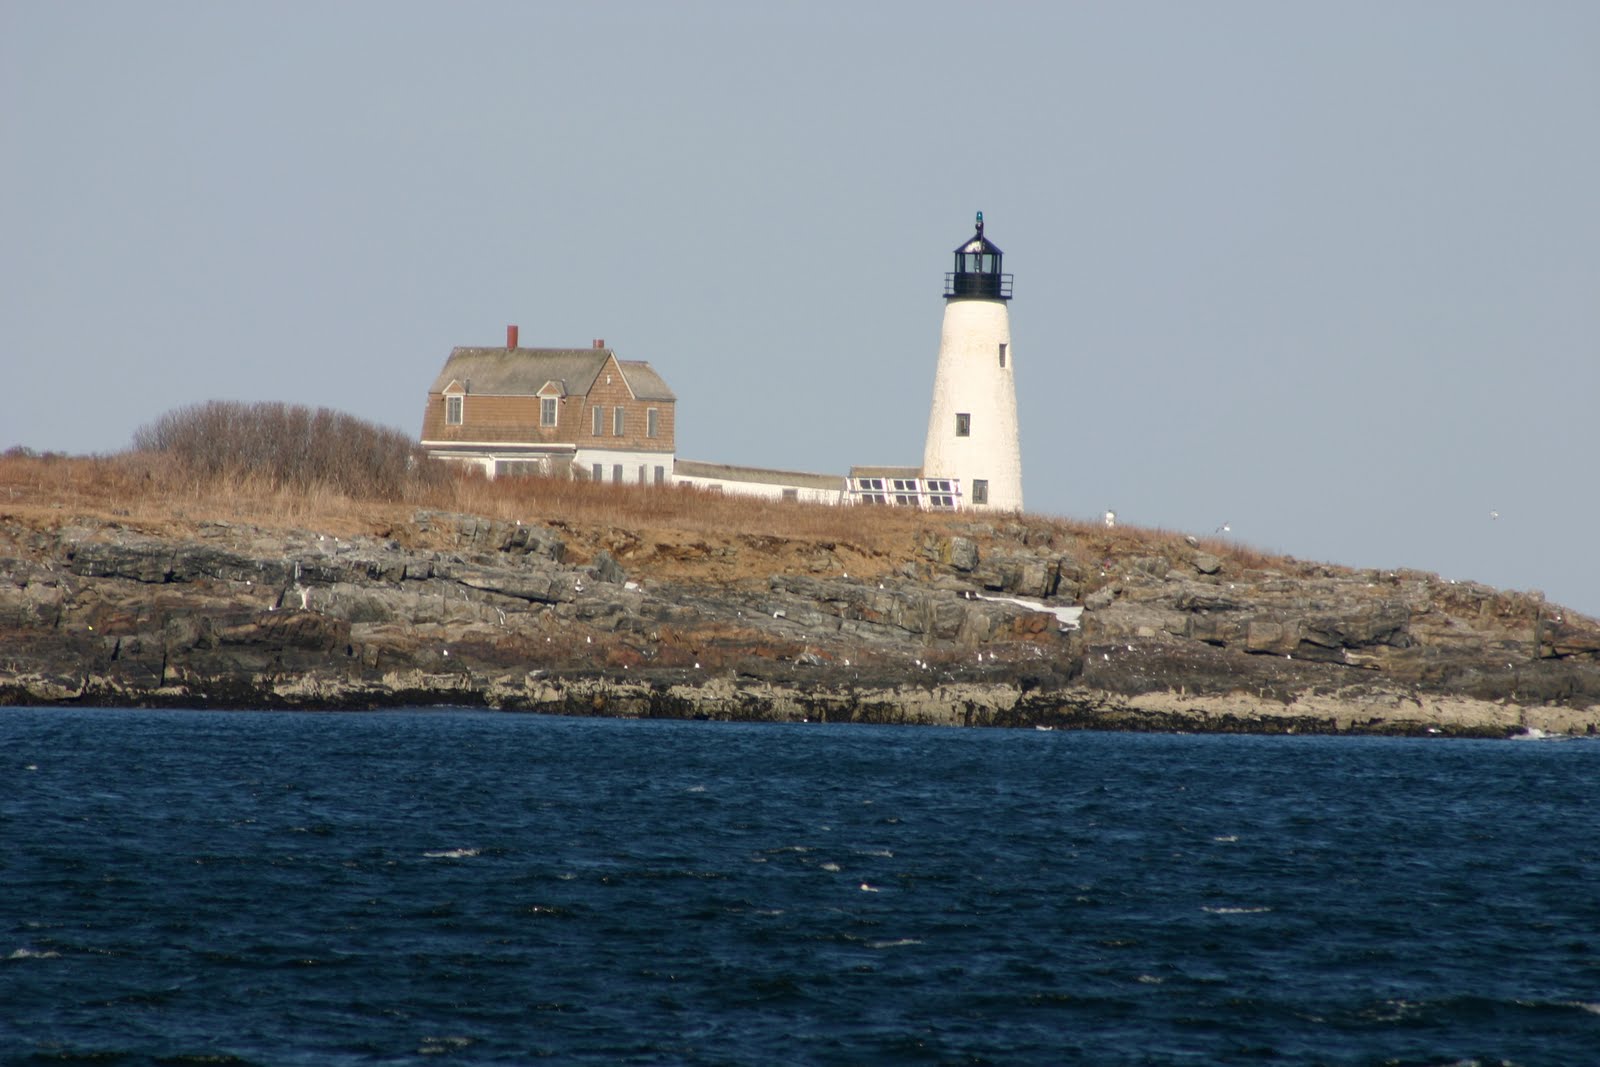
x,y
290,447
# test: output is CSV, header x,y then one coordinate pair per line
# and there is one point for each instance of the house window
x,y
652,422
661,476
616,421
963,424
599,420
980,490
597,472
616,473
905,492
547,411
521,468
1002,353
452,410
792,494
941,493
644,474
871,491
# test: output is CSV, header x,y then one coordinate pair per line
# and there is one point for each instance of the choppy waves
x,y
481,888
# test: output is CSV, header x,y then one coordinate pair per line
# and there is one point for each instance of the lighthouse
x,y
972,425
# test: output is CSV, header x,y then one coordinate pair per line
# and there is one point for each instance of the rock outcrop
x,y
963,628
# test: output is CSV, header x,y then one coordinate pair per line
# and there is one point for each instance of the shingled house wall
x,y
502,418
609,395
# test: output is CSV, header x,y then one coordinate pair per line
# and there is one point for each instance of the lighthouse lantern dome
x,y
977,275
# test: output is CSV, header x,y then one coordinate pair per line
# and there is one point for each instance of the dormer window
x,y
453,405
550,396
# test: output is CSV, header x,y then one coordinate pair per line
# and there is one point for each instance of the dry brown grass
x,y
143,488
681,507
146,491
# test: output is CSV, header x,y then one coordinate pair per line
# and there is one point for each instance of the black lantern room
x,y
977,275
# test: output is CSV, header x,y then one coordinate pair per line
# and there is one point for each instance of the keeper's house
x,y
578,412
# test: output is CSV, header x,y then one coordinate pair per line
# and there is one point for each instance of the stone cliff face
x,y
960,628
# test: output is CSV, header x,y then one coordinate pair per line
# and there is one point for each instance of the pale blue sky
x,y
1328,272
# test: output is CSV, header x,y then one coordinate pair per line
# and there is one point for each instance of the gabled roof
x,y
643,381
525,371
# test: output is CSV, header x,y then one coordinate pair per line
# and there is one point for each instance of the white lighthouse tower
x,y
972,427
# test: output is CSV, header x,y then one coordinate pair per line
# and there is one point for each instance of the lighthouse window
x,y
963,424
980,490
1002,353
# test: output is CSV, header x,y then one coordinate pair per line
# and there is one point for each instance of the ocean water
x,y
470,887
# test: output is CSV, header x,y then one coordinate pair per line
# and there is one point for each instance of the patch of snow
x,y
1066,617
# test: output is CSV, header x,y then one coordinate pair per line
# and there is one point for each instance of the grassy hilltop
x,y
281,467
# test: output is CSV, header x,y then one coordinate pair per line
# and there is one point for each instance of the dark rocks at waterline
x,y
463,610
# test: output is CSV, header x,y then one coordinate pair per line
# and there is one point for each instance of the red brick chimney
x,y
511,336
599,342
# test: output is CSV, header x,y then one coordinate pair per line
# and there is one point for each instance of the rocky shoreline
x,y
967,626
